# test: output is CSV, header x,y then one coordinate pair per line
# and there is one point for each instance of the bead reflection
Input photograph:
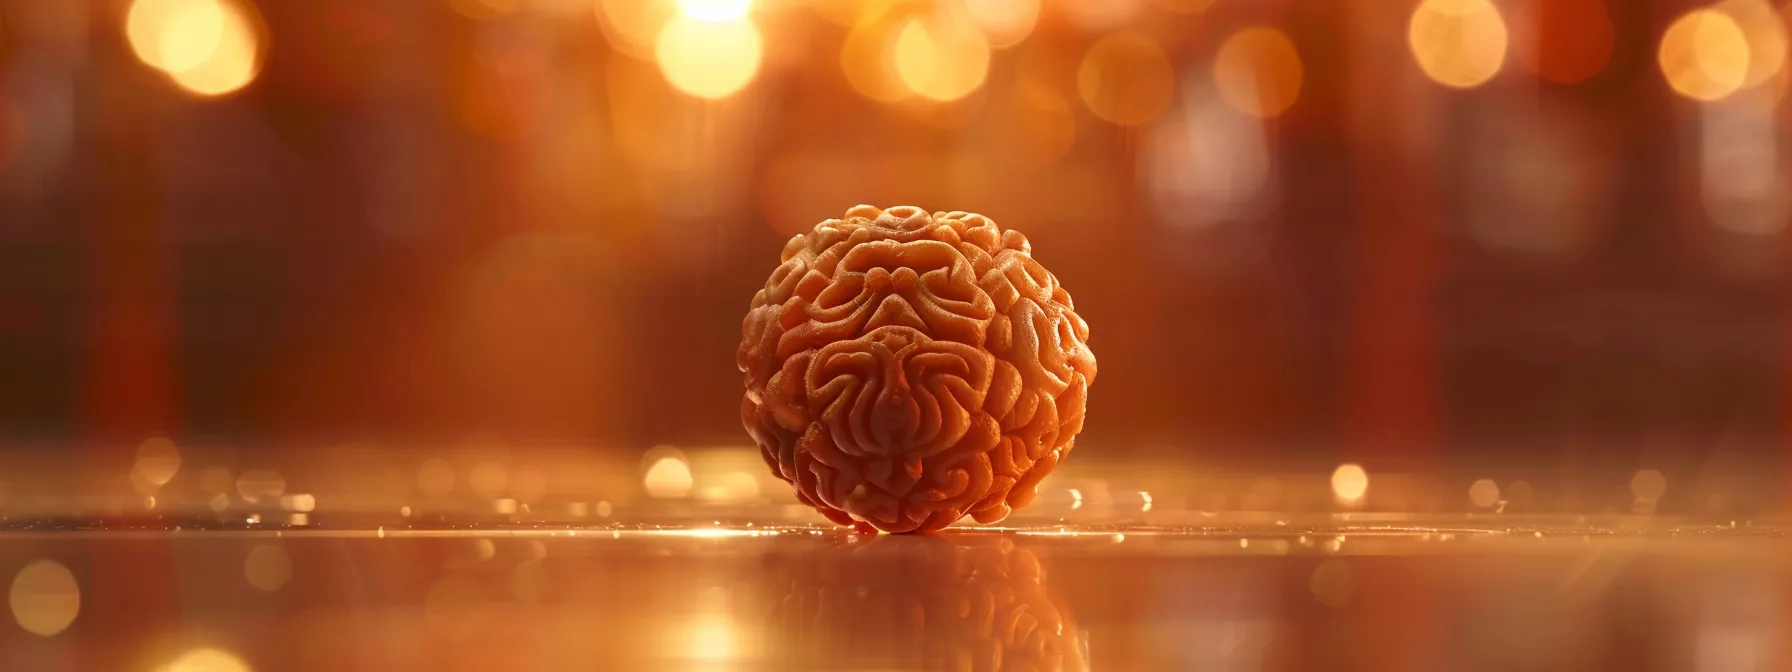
x,y
959,602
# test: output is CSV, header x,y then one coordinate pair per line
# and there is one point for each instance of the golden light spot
x,y
1458,43
633,26
603,509
1004,22
435,478
1258,72
1648,484
670,477
1332,583
219,502
708,59
526,581
484,549
733,487
1350,483
710,638
1571,40
487,479
207,660
302,502
208,47
193,32
1126,79
1484,493
715,10
537,550
1765,31
1704,55
157,28
158,460
940,56
866,59
45,598
257,484
454,605
483,10
267,567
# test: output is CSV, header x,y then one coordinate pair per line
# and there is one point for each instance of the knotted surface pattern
x,y
904,369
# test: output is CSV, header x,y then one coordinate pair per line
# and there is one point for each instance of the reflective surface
x,y
1531,596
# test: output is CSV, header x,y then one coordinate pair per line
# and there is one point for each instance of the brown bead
x,y
907,369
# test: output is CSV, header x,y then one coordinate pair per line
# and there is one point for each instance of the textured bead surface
x,y
905,369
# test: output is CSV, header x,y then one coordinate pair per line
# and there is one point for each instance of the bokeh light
x,y
1570,40
208,47
1649,484
45,598
192,31
866,58
158,27
940,56
1258,71
1096,16
1126,79
668,477
708,59
1458,43
488,479
734,486
1350,483
1208,164
1765,32
634,26
267,567
158,460
1004,22
435,478
1484,493
206,660
715,10
255,485
1704,55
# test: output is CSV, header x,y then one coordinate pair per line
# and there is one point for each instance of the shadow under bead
x,y
906,369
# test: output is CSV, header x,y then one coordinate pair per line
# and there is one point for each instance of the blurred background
x,y
384,251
